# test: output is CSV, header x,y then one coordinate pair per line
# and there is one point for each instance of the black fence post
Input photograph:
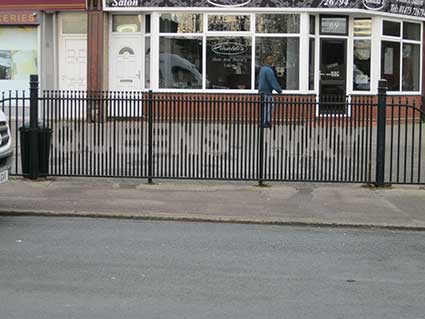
x,y
34,129
150,136
381,131
261,143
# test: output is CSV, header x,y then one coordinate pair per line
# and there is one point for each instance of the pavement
x,y
345,205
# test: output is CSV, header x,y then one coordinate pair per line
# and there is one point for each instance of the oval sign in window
x,y
229,3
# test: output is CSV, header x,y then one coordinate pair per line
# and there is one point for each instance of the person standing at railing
x,y
267,82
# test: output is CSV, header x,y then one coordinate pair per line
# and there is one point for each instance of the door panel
x,y
126,64
333,79
73,64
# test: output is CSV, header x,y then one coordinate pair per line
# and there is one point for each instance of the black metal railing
x,y
360,139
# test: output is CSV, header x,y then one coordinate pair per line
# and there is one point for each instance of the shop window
x,y
180,63
411,64
285,52
401,58
147,62
74,23
126,23
311,66
180,23
361,65
278,23
333,25
224,23
148,23
391,28
18,53
229,62
411,31
312,25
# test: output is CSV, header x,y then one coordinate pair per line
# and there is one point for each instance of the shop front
x,y
19,48
319,47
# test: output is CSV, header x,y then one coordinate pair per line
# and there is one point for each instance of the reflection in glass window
x,y
229,63
362,27
312,25
148,23
180,63
285,52
18,53
147,62
391,28
411,31
126,23
311,67
278,23
390,64
228,23
74,23
361,67
411,70
180,23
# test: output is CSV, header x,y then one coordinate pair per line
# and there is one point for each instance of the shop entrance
x,y
126,63
333,70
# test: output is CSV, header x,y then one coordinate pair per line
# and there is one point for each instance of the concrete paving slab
x,y
218,201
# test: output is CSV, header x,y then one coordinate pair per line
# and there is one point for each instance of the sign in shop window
x,y
333,25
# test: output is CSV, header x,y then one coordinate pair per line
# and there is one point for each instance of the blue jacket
x,y
267,81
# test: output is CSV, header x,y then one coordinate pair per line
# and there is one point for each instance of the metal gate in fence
x,y
376,139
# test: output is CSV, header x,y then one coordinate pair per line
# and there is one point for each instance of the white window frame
x,y
402,41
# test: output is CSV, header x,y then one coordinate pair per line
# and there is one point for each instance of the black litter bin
x,y
44,139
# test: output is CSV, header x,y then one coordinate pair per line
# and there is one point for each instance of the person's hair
x,y
268,59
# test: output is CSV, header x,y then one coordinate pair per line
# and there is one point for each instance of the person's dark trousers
x,y
268,107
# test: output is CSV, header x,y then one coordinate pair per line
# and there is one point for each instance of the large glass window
x,y
180,63
411,66
400,55
229,62
285,52
18,53
362,31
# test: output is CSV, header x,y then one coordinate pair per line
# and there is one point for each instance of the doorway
x,y
333,79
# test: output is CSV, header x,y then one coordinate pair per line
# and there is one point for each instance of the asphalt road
x,y
96,268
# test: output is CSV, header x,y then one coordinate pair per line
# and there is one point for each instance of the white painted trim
x,y
303,53
154,51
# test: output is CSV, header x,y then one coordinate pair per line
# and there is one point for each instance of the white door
x,y
126,63
73,64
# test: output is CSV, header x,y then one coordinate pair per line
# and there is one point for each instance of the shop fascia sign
x,y
413,8
19,18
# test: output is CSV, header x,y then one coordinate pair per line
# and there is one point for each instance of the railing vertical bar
x,y
406,124
413,142
391,139
398,141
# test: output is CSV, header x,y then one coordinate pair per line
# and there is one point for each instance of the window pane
x,y
229,63
312,25
148,23
180,63
391,28
228,23
411,31
278,23
361,67
311,65
125,24
362,27
390,64
74,24
147,62
285,52
18,53
180,23
411,70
